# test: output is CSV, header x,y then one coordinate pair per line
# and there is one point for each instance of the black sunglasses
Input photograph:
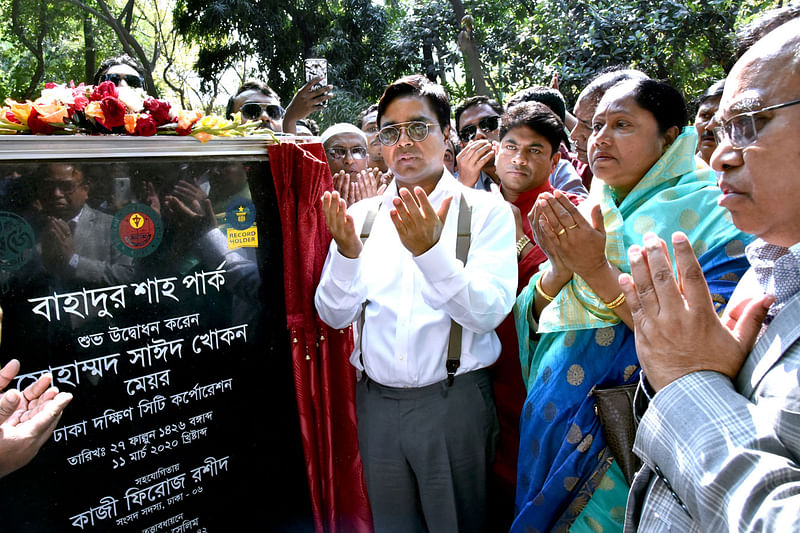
x,y
468,133
253,110
131,79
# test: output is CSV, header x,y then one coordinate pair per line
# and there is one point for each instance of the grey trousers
x,y
426,453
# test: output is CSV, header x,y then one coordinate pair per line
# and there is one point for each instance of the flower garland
x,y
108,109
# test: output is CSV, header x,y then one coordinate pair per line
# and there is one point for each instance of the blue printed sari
x,y
566,478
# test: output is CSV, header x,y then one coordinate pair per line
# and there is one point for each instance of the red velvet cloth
x,y
324,378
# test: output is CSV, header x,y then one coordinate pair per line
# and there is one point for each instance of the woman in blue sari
x,y
572,320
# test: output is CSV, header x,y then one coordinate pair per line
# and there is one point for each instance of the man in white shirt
x,y
425,440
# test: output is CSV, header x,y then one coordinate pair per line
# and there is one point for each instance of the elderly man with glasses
x,y
720,406
432,278
346,148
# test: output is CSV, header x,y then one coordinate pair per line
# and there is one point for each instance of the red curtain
x,y
324,378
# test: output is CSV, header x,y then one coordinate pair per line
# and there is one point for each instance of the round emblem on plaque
x,y
240,214
137,230
17,241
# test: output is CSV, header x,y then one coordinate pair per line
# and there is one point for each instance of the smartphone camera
x,y
314,69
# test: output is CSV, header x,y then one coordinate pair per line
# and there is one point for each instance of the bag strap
x,y
463,239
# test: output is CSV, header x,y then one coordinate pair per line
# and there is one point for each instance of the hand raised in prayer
x,y
27,418
190,194
340,224
385,179
58,245
418,225
677,330
341,184
471,160
365,185
559,273
579,244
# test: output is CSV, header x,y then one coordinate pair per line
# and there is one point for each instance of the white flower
x,y
133,98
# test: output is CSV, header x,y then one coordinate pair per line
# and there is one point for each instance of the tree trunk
x,y
36,47
129,43
466,43
89,51
427,59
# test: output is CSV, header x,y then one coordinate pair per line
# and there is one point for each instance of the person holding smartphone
x,y
258,101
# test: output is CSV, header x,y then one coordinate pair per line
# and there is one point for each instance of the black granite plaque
x,y
151,289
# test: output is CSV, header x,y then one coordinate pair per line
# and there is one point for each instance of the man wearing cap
x,y
346,148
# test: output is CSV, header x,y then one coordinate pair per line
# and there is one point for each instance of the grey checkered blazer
x,y
722,456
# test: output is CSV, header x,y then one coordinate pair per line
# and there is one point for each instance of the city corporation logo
x,y
137,230
17,241
240,214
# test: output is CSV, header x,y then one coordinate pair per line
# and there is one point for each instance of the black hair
x,y
713,92
250,85
606,79
418,85
123,59
370,109
546,95
536,116
662,100
473,101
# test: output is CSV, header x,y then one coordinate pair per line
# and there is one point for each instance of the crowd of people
x,y
507,265
481,390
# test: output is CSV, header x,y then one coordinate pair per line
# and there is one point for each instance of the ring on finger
x,y
562,231
573,226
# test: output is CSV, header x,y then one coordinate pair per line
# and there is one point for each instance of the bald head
x,y
761,178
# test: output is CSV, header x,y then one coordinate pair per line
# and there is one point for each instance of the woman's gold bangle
x,y
616,302
541,291
522,243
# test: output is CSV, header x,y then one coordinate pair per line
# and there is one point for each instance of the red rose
x,y
49,85
38,125
80,103
145,126
159,110
113,112
107,88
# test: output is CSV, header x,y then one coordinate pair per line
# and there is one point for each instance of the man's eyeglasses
x,y
356,152
741,130
131,79
253,110
468,133
65,186
416,130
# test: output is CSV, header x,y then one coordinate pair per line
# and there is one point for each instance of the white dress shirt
x,y
411,299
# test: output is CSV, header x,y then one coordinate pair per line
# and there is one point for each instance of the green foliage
x,y
686,42
278,35
368,44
